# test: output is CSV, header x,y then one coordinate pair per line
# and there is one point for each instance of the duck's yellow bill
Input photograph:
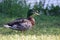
x,y
37,14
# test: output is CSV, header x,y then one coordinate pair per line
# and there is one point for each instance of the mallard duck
x,y
23,24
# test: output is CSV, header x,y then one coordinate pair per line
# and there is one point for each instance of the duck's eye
x,y
37,11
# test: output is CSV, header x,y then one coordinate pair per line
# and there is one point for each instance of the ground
x,y
46,28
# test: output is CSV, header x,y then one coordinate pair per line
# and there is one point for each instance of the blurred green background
x,y
47,23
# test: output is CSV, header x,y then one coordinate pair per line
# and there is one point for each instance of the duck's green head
x,y
32,12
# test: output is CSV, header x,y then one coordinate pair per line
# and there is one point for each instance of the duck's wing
x,y
19,24
17,21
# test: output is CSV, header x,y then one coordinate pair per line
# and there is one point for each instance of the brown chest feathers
x,y
31,19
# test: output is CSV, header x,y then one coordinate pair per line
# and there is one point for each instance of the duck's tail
x,y
7,26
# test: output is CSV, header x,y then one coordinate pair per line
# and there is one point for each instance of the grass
x,y
46,28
